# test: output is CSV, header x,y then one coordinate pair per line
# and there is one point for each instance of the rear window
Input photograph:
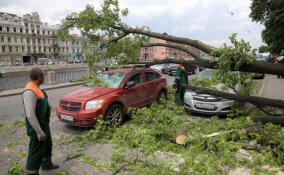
x,y
150,76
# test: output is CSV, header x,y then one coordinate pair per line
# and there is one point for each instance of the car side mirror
x,y
129,84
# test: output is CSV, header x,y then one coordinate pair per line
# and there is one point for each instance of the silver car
x,y
208,104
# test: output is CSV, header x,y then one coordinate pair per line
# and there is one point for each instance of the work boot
x,y
48,165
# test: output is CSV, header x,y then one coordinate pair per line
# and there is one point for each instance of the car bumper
x,y
220,108
83,118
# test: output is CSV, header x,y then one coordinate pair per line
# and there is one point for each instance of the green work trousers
x,y
179,96
39,154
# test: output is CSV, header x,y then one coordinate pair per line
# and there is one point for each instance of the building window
x,y
29,49
37,26
21,30
48,41
33,31
15,29
39,49
49,49
43,32
43,40
9,39
28,40
0,28
38,32
32,25
33,41
3,48
34,49
2,38
8,29
47,32
23,49
15,39
10,48
26,24
44,49
38,40
17,49
27,30
22,40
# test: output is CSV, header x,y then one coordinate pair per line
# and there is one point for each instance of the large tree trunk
x,y
269,119
255,67
259,101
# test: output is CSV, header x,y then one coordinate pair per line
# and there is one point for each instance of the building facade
x,y
26,39
159,52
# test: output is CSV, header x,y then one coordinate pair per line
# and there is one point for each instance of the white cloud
x,y
207,20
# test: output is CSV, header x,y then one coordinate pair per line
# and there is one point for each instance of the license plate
x,y
205,105
67,117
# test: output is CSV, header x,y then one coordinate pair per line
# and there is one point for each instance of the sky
x,y
211,21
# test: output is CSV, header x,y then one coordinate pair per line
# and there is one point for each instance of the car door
x,y
135,96
152,83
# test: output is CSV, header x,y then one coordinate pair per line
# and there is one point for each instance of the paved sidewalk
x,y
7,93
273,87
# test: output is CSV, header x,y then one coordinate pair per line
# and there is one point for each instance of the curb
x,y
260,92
47,88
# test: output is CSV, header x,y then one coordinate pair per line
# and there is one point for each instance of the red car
x,y
121,89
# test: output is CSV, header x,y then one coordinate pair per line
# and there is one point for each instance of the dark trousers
x,y
39,154
179,96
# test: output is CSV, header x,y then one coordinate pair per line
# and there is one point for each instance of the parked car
x,y
4,64
43,61
161,67
28,64
208,104
173,69
121,89
1,74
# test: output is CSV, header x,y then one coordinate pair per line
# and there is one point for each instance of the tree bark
x,y
255,67
269,119
259,101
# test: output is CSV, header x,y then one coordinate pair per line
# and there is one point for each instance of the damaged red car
x,y
120,89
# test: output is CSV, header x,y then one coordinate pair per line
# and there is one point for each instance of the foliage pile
x,y
153,129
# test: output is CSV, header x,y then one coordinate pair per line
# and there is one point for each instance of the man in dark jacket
x,y
37,111
181,78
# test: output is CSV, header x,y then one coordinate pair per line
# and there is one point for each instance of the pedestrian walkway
x,y
273,87
7,93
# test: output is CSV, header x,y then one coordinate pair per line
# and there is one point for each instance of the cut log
x,y
180,139
269,119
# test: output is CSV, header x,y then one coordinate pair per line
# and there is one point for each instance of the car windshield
x,y
205,73
108,79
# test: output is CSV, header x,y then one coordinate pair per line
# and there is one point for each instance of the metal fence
x,y
66,76
7,83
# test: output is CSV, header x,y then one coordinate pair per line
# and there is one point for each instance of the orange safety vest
x,y
182,67
31,86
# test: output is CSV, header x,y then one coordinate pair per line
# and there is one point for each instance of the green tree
x,y
271,14
263,49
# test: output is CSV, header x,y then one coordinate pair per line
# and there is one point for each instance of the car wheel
x,y
115,114
162,95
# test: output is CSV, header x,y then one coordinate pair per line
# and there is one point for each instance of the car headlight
x,y
94,104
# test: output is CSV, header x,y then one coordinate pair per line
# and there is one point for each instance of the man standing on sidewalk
x,y
37,124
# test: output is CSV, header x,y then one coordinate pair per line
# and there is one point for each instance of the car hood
x,y
87,93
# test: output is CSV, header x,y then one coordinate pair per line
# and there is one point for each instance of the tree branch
x,y
175,46
194,43
114,40
259,101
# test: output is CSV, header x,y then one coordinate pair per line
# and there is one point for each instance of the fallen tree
x,y
124,40
259,101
